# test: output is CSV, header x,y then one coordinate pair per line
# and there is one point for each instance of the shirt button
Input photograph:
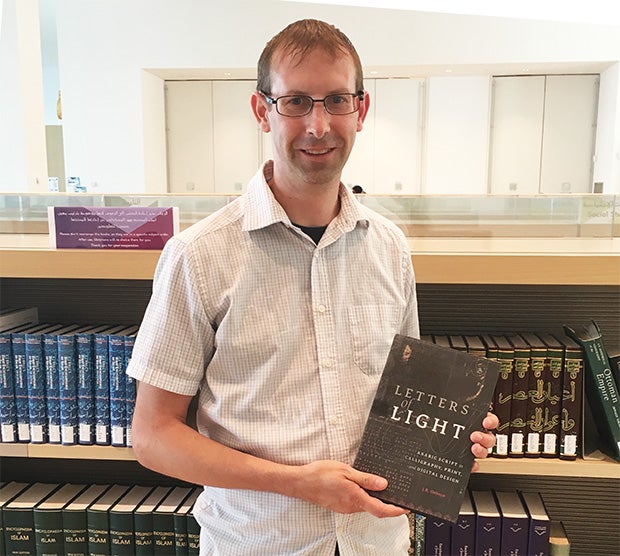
x,y
327,363
334,420
321,308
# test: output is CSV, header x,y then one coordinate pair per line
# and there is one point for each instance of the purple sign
x,y
112,227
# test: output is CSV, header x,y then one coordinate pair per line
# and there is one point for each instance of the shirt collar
x,y
261,208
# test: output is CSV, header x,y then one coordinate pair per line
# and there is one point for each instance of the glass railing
x,y
593,215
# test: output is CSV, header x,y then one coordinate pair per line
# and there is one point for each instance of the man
x,y
253,307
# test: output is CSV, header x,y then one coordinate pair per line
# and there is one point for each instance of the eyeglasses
x,y
295,106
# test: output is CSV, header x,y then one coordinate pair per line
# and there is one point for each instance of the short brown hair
x,y
301,37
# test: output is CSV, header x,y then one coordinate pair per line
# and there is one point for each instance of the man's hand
x,y
340,488
482,441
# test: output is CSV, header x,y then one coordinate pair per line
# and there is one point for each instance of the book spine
x,y
20,378
52,387
75,533
163,534
438,535
464,534
85,388
143,533
102,389
67,383
536,403
180,534
8,411
116,347
518,415
553,407
130,388
19,535
48,533
572,399
121,534
98,533
37,403
502,403
419,545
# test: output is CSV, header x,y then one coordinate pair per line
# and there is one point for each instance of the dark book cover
x,y
601,389
163,521
457,342
515,523
18,519
8,491
122,540
181,517
48,531
464,530
571,440
553,406
476,346
143,520
614,362
539,526
130,386
98,520
520,395
74,526
503,399
428,402
488,523
438,537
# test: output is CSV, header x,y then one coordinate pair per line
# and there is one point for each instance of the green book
x,y
600,386
121,521
7,493
181,516
48,532
163,521
193,533
98,520
18,518
75,528
143,520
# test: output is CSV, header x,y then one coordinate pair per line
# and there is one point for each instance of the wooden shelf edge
x,y
600,469
67,452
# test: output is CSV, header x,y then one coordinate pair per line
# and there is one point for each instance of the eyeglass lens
x,y
300,105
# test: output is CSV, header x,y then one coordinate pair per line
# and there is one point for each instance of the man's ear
x,y
363,111
260,111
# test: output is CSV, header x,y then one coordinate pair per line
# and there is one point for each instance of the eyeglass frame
x,y
274,102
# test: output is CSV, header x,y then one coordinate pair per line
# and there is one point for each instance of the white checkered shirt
x,y
286,341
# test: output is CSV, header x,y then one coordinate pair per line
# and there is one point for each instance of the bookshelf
x,y
497,284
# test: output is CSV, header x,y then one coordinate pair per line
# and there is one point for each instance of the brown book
x,y
537,394
520,388
571,438
553,405
502,406
476,346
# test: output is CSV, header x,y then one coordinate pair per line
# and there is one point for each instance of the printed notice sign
x,y
112,227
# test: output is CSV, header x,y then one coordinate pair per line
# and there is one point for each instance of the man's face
x,y
311,149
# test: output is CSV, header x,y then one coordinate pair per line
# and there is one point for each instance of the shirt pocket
x,y
372,329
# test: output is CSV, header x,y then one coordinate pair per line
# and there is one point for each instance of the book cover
x,y
488,523
74,526
429,400
553,407
571,441
419,546
438,537
475,346
491,352
181,517
520,396
539,526
48,532
122,540
502,399
464,530
18,518
163,521
515,523
143,521
130,386
559,544
600,385
8,491
98,520
193,530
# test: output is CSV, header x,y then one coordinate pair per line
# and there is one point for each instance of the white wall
x,y
607,156
105,44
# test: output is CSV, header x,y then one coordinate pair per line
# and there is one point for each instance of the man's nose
x,y
318,120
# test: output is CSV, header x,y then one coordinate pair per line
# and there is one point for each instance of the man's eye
x,y
337,99
295,101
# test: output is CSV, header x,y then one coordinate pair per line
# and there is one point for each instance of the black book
x,y
74,526
539,527
163,521
122,541
98,520
507,443
464,530
7,493
143,520
181,517
515,523
488,522
48,527
438,537
553,408
429,400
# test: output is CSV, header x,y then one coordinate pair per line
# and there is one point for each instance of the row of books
x,y
491,522
66,384
77,519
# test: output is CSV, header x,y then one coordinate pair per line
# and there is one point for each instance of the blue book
x,y
116,351
102,384
35,370
84,347
438,535
20,380
464,530
488,522
539,524
130,386
515,523
52,386
8,410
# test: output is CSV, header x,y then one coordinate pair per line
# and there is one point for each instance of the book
x,y
537,394
438,535
122,540
491,352
98,520
476,346
11,317
488,523
600,386
130,386
48,531
553,406
520,395
143,521
163,521
182,517
419,546
515,523
193,531
74,526
502,399
614,362
8,491
18,518
539,526
571,440
429,400
464,530
559,544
